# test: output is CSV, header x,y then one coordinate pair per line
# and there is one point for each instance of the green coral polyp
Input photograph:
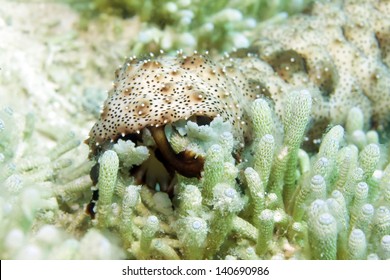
x,y
323,237
192,232
357,245
109,166
265,231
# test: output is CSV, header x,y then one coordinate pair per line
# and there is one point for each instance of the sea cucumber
x,y
337,51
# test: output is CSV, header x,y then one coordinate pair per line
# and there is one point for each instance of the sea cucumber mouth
x,y
164,161
185,163
158,172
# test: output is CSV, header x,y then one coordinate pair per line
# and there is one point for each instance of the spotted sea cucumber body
x,y
339,51
162,90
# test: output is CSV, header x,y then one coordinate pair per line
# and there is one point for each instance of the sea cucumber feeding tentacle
x,y
183,163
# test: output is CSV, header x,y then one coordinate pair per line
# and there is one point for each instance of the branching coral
x,y
326,218
38,198
191,24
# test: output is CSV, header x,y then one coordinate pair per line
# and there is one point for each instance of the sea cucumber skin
x,y
162,90
337,51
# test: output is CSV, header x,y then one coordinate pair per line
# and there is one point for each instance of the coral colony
x,y
276,151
